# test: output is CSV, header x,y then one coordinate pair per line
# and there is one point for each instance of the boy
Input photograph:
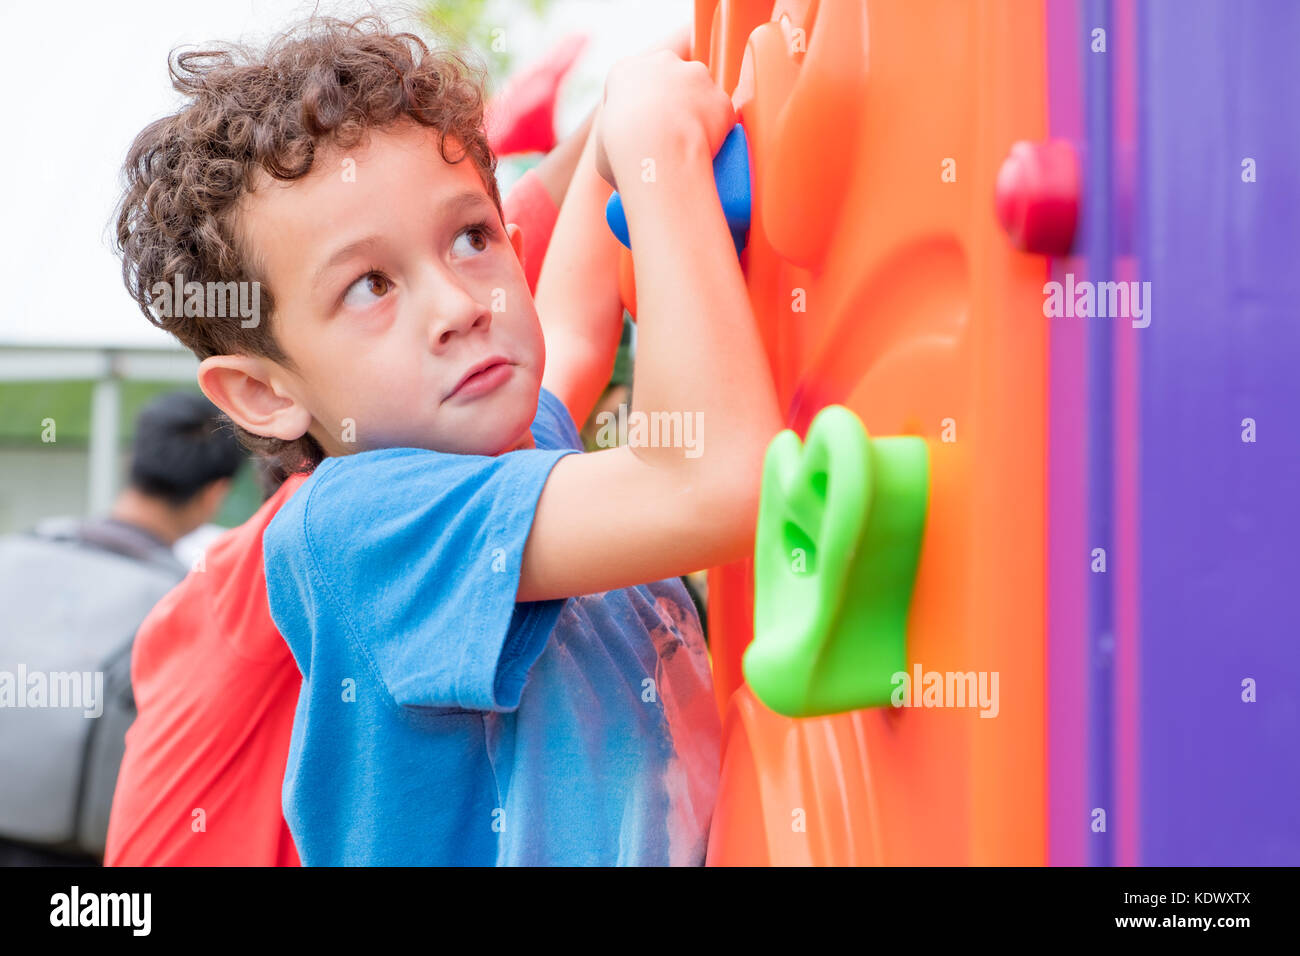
x,y
487,676
215,684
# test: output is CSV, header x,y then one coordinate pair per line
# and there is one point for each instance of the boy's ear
x,y
516,235
245,388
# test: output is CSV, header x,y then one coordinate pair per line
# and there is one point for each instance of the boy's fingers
x,y
679,42
719,113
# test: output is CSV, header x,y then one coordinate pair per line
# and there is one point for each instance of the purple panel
x,y
1067,683
1220,517
1127,439
1096,241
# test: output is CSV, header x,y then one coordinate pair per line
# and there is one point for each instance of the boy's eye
x,y
367,289
477,237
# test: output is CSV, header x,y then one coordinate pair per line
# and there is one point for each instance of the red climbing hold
x,y
1037,196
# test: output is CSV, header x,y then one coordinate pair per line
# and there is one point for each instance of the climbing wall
x,y
881,281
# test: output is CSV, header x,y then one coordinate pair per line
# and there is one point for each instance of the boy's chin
x,y
494,441
493,425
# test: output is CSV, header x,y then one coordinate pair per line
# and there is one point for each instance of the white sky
x,y
81,78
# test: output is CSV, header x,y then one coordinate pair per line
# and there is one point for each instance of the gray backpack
x,y
73,595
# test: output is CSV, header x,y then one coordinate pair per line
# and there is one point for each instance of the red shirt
x,y
215,691
216,687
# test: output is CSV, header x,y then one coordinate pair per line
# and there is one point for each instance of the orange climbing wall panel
x,y
881,286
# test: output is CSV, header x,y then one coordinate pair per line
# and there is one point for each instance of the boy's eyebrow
x,y
450,207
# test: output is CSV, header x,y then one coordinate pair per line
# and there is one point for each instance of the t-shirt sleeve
x,y
553,427
415,556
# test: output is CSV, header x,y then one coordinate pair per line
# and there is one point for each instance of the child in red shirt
x,y
215,689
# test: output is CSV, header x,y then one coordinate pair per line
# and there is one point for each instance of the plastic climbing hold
x,y
1036,196
840,524
730,174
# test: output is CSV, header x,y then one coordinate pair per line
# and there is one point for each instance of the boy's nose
x,y
459,313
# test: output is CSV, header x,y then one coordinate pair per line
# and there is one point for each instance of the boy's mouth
x,y
482,377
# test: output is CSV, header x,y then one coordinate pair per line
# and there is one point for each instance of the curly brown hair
x,y
322,82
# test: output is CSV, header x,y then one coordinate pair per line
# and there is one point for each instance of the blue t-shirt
x,y
439,721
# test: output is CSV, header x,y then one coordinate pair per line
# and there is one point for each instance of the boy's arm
x,y
556,168
631,515
533,203
577,295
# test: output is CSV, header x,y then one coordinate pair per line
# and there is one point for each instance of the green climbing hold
x,y
840,523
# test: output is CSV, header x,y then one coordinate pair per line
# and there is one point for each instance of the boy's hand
x,y
657,106
670,505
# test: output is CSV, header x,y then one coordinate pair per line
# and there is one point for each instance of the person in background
x,y
74,592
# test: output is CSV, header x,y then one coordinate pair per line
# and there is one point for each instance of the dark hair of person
x,y
182,444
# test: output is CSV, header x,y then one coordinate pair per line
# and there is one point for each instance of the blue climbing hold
x,y
730,174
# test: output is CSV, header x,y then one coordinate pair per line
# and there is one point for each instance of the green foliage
x,y
469,25
26,404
